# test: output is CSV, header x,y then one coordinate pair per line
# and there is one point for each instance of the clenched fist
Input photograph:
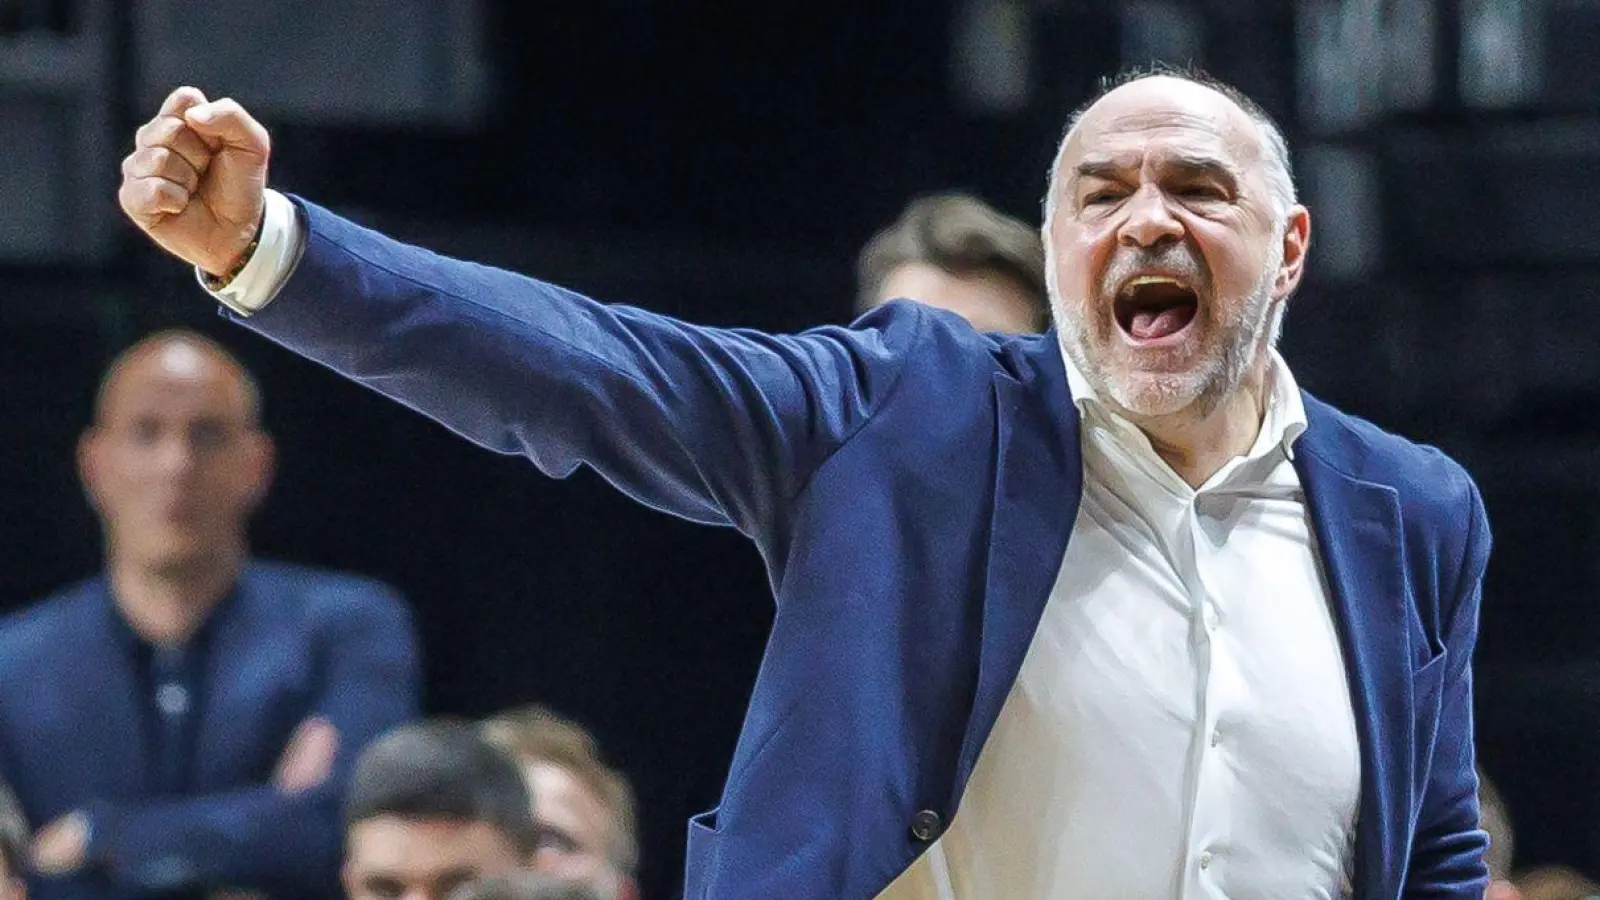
x,y
196,179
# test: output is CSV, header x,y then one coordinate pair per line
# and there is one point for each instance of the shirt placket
x,y
1219,695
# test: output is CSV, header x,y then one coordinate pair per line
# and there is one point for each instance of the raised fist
x,y
196,180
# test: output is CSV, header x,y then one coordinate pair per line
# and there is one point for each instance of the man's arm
x,y
1448,846
717,425
268,837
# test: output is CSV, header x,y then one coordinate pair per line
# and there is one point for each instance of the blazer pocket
x,y
700,856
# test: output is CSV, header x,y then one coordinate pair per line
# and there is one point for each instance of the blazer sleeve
x,y
1447,851
256,837
721,426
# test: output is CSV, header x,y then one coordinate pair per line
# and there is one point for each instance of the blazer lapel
x,y
1357,528
117,738
1037,485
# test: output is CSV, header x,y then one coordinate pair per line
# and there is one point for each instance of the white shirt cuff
x,y
277,250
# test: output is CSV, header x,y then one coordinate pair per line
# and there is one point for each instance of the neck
x,y
166,604
1198,442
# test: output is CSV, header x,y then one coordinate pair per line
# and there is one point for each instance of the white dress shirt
x,y
1181,726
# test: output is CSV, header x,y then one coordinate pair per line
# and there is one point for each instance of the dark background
x,y
723,162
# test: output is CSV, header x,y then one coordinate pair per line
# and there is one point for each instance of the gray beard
x,y
1198,392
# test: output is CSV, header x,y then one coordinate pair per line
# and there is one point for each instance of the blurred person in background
x,y
1502,845
432,807
1261,611
957,253
186,720
584,809
1539,883
527,886
13,847
1553,883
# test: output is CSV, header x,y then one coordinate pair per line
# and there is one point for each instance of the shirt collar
x,y
1282,425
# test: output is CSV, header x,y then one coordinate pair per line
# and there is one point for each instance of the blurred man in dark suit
x,y
433,807
184,722
957,253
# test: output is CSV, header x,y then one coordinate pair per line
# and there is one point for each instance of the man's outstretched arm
x,y
717,425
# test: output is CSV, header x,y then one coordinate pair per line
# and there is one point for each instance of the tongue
x,y
1151,324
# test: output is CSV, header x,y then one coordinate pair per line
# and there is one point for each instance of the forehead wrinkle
x,y
1183,112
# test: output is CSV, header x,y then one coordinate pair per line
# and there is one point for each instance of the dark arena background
x,y
724,162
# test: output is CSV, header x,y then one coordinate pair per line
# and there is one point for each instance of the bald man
x,y
1116,611
184,722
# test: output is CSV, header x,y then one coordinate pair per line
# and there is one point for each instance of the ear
x,y
91,464
263,465
1296,241
347,875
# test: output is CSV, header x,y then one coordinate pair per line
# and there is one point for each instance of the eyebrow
x,y
1205,166
1100,167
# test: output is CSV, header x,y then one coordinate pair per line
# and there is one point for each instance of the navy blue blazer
x,y
911,485
288,644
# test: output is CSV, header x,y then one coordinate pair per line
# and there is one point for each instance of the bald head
x,y
1197,98
180,355
175,461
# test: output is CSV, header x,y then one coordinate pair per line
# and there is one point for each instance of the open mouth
x,y
1152,307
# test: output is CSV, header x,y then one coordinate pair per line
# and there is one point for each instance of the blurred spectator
x,y
13,847
958,253
526,886
432,807
1555,883
584,809
1502,846
185,721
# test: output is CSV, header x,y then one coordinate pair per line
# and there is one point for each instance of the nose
x,y
1150,222
175,455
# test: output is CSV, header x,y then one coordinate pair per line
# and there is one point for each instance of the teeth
x,y
1142,280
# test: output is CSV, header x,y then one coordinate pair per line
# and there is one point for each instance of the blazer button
x,y
926,825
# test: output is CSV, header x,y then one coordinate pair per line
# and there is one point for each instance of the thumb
x,y
224,123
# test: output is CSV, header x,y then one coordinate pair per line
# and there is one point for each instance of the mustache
x,y
1176,259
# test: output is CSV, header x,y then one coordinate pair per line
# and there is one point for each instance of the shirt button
x,y
1205,860
172,699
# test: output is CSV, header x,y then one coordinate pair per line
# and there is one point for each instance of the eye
x,y
208,435
556,841
145,431
1200,192
1102,197
385,888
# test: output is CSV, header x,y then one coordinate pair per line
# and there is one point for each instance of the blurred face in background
x,y
392,857
175,462
576,830
990,300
